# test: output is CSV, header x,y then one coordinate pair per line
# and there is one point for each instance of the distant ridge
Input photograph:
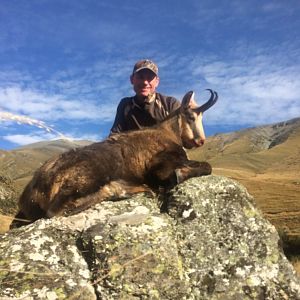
x,y
62,144
19,164
236,148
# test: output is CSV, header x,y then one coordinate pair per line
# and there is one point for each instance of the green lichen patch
x,y
39,262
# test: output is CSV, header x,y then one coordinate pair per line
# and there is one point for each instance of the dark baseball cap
x,y
145,64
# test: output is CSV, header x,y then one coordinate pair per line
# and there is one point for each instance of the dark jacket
x,y
131,115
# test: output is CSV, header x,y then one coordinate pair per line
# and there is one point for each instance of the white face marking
x,y
192,130
199,130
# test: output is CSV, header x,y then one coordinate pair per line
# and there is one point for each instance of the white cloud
x,y
262,90
34,137
258,90
86,136
24,139
43,106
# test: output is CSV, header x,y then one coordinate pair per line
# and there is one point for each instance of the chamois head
x,y
192,134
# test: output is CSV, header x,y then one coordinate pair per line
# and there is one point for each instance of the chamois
x,y
142,160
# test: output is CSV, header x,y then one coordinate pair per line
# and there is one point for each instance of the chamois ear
x,y
188,100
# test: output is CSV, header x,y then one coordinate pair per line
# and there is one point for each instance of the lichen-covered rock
x,y
228,249
43,262
130,257
211,244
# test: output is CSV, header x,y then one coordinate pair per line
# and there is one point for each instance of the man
x,y
147,107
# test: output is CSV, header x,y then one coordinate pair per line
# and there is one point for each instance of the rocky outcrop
x,y
212,243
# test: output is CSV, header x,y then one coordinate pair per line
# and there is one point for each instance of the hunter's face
x,y
144,82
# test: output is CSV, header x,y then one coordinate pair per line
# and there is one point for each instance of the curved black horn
x,y
211,101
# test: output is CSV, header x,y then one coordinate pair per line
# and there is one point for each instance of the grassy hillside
x,y
267,161
19,164
17,167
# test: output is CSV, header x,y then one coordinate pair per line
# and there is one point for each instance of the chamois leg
x,y
115,190
22,219
19,220
192,169
168,169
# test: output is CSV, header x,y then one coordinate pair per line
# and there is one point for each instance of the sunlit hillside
x,y
20,163
267,161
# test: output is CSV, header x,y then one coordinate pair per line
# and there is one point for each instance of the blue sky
x,y
67,63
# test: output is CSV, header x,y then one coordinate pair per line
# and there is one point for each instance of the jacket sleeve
x,y
119,123
174,104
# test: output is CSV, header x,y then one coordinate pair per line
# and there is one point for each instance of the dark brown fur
x,y
118,167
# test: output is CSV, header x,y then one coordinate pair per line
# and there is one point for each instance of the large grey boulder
x,y
211,244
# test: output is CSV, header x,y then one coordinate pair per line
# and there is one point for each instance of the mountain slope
x,y
19,164
254,149
266,160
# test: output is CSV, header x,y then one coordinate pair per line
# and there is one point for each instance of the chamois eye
x,y
191,118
